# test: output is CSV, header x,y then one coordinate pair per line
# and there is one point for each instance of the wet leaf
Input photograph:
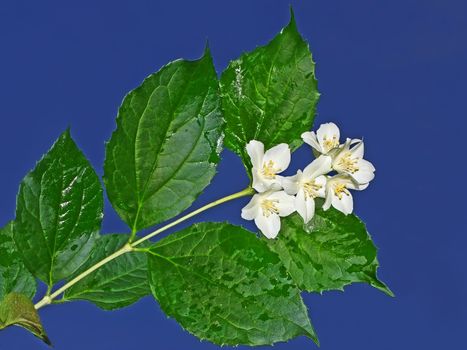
x,y
270,94
117,284
223,284
58,212
166,146
330,252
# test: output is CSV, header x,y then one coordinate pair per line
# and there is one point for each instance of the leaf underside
x,y
119,283
166,146
330,252
58,212
18,310
270,94
223,284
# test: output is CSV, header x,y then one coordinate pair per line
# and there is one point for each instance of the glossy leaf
x,y
117,284
270,94
166,146
14,276
223,284
18,310
330,252
58,212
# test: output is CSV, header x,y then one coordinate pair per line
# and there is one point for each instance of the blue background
x,y
393,72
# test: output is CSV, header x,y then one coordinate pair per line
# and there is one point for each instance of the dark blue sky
x,y
393,72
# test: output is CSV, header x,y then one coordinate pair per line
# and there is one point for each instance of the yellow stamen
x,y
348,164
330,143
311,188
340,189
269,171
269,207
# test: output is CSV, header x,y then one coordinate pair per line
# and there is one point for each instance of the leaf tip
x,y
310,332
388,291
67,131
315,339
292,14
66,135
47,340
207,51
18,310
292,22
382,287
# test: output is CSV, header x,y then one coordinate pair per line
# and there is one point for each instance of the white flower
x,y
350,161
308,185
266,209
338,194
267,165
325,140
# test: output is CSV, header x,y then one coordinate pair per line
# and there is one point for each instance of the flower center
x,y
269,172
347,163
340,190
311,188
330,143
269,207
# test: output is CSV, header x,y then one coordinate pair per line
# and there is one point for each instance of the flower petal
x,y
269,226
320,166
276,183
329,194
309,137
259,183
328,131
358,187
321,180
305,206
290,183
285,203
358,150
365,172
252,209
280,155
348,181
344,204
366,164
255,150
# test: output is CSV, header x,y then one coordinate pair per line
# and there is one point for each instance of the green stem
x,y
49,298
129,247
246,192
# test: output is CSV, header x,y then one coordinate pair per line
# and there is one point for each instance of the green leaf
x,y
270,94
14,276
166,146
330,252
222,283
117,284
58,212
18,310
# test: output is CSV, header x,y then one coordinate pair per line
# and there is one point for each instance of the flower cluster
x,y
337,169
